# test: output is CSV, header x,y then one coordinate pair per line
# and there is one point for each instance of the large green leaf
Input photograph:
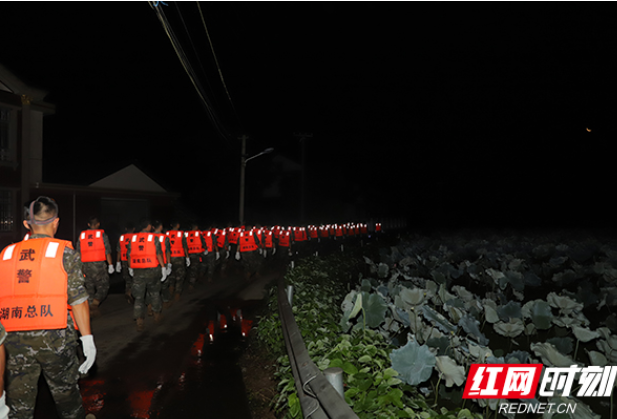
x,y
414,363
382,270
510,311
453,373
413,296
541,315
472,326
511,329
551,356
374,308
584,334
438,320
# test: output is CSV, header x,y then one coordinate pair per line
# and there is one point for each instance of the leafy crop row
x,y
372,386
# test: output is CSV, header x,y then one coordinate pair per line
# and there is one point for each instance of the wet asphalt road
x,y
178,369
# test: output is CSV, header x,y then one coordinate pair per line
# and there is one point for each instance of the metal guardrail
x,y
318,399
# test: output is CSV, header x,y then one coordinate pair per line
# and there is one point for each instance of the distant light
x,y
588,129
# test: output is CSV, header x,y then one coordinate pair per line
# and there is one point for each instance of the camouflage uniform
x,y
196,269
251,260
97,277
178,270
128,280
222,262
52,351
146,286
165,294
209,262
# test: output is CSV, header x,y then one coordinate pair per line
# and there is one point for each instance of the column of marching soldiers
x,y
156,264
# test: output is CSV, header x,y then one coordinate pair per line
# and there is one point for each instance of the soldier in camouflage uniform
x,y
122,265
54,351
165,293
212,254
250,259
221,241
195,269
146,280
97,272
179,262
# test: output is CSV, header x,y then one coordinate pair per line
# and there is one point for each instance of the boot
x,y
95,303
140,324
129,297
157,318
150,312
167,304
177,297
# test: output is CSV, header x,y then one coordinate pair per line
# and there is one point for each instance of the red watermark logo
x,y
502,381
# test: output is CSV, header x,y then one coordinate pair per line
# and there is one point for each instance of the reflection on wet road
x,y
189,374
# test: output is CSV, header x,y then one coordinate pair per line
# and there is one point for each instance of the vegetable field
x,y
418,313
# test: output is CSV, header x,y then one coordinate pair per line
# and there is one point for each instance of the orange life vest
x,y
124,241
234,233
268,239
143,251
285,238
220,238
193,241
92,246
313,233
33,285
246,241
175,243
207,235
378,227
339,231
364,229
299,234
323,232
276,231
351,231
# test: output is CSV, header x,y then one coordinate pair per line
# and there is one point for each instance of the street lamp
x,y
243,161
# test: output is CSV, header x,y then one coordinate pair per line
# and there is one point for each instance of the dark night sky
x,y
448,113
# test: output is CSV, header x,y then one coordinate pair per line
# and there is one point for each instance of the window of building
x,y
7,210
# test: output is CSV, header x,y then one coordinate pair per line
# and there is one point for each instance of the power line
x,y
203,21
190,72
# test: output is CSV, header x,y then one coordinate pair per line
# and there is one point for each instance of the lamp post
x,y
243,161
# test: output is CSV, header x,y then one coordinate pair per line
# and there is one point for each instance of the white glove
x,y
110,269
237,255
118,267
265,253
260,251
164,273
218,255
206,252
89,352
273,250
131,272
227,256
4,409
188,262
168,269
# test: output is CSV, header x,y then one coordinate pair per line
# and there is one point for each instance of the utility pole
x,y
243,161
302,136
